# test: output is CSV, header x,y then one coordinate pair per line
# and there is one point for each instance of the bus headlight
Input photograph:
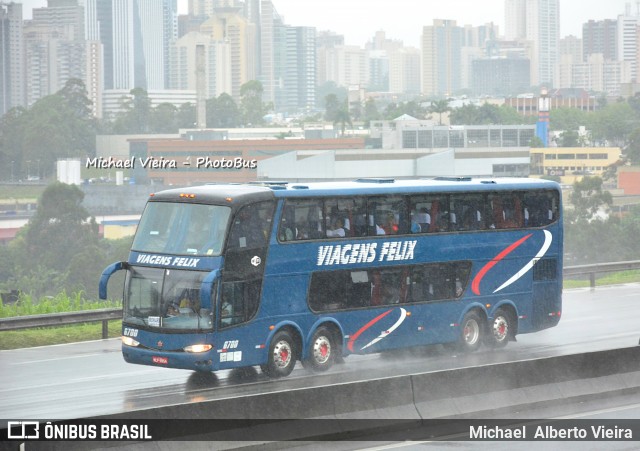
x,y
130,341
198,348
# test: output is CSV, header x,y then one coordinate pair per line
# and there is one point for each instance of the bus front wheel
x,y
471,332
282,355
323,351
500,329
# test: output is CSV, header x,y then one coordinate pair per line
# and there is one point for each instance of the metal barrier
x,y
104,315
59,319
599,268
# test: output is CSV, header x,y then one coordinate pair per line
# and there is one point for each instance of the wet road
x,y
90,379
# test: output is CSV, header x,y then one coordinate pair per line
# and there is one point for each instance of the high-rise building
x,y
286,57
325,41
298,70
136,35
537,21
500,76
627,47
229,25
347,65
55,48
515,19
599,36
441,57
404,71
12,74
217,64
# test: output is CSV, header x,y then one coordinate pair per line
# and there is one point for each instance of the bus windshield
x,y
166,298
181,228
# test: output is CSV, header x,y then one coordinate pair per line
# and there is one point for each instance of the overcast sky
x,y
358,20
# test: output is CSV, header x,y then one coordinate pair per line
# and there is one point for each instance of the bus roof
x,y
235,194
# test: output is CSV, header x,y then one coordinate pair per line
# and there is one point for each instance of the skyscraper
x,y
441,57
55,48
599,36
229,25
537,21
627,47
12,91
136,35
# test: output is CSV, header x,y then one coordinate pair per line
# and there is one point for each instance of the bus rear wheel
x,y
282,355
471,332
322,353
500,329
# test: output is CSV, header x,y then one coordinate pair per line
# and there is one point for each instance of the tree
x,y
332,105
371,112
614,123
251,106
567,118
439,107
569,138
59,229
327,88
222,112
186,116
343,118
12,143
632,150
588,199
162,119
135,117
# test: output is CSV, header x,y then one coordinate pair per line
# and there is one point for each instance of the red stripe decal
x,y
355,336
475,285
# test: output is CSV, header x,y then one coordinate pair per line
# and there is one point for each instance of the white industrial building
x,y
409,148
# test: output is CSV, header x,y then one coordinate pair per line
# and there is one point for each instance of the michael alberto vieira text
x,y
550,432
165,163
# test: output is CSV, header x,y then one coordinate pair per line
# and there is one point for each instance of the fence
x,y
105,315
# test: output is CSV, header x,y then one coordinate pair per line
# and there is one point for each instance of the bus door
x,y
241,282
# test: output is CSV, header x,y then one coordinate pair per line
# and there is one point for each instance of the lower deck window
x,y
346,289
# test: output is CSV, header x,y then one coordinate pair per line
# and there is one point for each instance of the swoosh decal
x,y
403,315
355,336
548,238
475,285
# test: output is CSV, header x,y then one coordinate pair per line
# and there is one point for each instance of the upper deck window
x,y
181,228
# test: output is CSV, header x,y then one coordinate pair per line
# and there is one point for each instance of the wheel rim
x,y
471,332
322,350
500,328
282,354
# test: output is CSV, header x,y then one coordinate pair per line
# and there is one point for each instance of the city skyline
x,y
321,14
573,14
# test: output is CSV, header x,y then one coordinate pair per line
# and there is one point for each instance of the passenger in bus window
x,y
302,231
415,225
390,295
423,218
173,309
188,301
336,230
391,226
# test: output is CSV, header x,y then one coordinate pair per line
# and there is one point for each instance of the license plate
x,y
160,360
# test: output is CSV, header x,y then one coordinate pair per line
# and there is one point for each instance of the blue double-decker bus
x,y
234,275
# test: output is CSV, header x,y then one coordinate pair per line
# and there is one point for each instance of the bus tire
x,y
322,350
500,329
282,355
471,332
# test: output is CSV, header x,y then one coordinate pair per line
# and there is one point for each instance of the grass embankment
x,y
43,336
21,192
606,279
